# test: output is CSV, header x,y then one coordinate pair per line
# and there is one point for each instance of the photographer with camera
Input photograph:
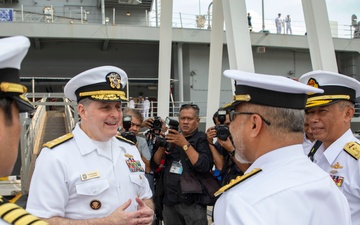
x,y
132,132
190,155
223,149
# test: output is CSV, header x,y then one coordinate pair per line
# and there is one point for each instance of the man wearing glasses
x,y
191,154
282,186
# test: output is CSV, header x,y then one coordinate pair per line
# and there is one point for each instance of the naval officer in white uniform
x,y
92,176
282,186
330,115
12,102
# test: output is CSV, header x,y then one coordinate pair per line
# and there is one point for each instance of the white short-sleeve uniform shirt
x,y
344,169
290,189
2,222
79,180
307,145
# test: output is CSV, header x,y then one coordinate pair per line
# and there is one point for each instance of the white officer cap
x,y
336,87
12,52
269,90
102,83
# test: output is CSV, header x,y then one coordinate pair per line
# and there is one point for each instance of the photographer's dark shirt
x,y
203,165
230,170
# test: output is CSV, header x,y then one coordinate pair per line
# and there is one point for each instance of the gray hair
x,y
283,120
344,103
135,113
85,101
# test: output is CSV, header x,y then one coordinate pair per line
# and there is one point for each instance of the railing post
x,y
113,16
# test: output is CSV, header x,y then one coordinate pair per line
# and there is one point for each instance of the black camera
x,y
222,130
156,124
126,124
154,130
158,141
172,124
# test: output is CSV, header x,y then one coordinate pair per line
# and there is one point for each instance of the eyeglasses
x,y
233,113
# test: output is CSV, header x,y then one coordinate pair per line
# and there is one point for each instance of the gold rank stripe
x,y
16,215
236,181
121,138
105,94
353,149
328,97
324,99
58,140
244,98
12,87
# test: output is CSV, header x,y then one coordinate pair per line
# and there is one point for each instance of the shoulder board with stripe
x,y
353,149
58,141
121,138
3,200
236,181
14,214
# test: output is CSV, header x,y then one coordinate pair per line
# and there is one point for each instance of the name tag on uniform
x,y
90,175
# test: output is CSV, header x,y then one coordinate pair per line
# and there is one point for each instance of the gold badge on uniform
x,y
128,155
95,204
337,166
90,175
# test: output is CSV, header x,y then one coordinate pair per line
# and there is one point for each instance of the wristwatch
x,y
186,147
232,153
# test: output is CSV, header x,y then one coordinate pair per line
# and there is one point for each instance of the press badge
x,y
176,167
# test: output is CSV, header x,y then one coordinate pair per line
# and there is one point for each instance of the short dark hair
x,y
190,106
5,106
215,116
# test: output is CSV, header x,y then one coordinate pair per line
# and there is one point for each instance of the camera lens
x,y
222,132
159,142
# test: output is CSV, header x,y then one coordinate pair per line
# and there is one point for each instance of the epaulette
x,y
236,181
353,149
121,138
14,214
3,200
59,140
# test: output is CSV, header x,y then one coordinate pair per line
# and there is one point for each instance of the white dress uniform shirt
x,y
131,104
2,222
146,108
278,22
118,175
290,189
344,169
